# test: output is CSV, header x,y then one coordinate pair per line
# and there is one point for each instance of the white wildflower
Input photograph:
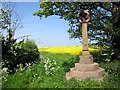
x,y
5,69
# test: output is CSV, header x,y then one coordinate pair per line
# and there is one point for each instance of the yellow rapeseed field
x,y
76,50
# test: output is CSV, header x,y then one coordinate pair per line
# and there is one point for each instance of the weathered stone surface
x,y
85,52
81,75
86,67
86,59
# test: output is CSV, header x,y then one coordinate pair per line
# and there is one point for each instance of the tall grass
x,y
35,76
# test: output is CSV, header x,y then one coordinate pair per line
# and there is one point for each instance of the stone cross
x,y
84,17
86,68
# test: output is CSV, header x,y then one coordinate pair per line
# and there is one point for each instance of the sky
x,y
46,32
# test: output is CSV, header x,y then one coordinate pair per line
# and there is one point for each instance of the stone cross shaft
x,y
84,17
84,37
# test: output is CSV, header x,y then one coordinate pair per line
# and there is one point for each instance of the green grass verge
x,y
35,77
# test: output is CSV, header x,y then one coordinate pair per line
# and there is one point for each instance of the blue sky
x,y
46,32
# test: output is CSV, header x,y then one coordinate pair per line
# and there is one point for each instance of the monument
x,y
86,68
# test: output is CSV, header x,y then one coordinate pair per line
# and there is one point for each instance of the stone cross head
x,y
83,16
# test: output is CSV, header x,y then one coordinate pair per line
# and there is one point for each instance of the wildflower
x,y
50,67
5,69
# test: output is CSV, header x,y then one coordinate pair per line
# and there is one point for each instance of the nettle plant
x,y
50,67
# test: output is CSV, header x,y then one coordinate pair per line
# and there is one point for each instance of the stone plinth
x,y
86,69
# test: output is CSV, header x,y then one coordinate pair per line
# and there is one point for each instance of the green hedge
x,y
23,52
27,52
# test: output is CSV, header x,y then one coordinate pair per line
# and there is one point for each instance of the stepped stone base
x,y
86,69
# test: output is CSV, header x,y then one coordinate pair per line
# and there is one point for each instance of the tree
x,y
10,20
104,27
15,53
9,23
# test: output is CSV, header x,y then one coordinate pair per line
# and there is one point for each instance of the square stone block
x,y
86,67
80,75
86,59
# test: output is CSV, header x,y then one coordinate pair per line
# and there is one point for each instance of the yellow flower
x,y
76,50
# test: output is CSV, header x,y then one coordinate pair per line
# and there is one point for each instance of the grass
x,y
35,77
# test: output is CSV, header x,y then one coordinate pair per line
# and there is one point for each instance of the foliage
x,y
34,76
3,74
103,28
8,26
50,67
113,70
27,52
8,54
14,52
21,53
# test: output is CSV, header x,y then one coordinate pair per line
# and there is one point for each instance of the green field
x,y
50,73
